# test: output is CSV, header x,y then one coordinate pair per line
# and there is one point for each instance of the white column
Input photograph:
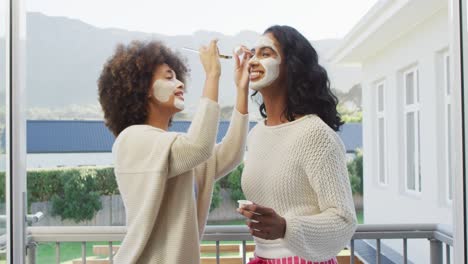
x,y
16,133
459,221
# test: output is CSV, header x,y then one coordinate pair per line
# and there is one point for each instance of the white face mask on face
x,y
271,65
179,104
163,89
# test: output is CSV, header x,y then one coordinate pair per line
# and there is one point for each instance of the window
x,y
411,128
447,125
381,139
4,83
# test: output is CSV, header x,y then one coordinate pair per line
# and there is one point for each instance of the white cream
x,y
267,42
163,89
272,70
179,104
271,65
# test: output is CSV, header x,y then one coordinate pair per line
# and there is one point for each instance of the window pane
x,y
417,86
380,91
3,85
409,85
410,152
447,75
449,152
418,150
382,150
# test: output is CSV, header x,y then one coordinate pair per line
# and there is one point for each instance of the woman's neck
x,y
275,104
159,119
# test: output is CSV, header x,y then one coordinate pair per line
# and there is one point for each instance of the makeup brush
x,y
196,51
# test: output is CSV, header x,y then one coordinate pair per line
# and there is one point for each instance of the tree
x,y
355,171
349,115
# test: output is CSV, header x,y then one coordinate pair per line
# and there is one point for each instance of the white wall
x,y
391,203
53,160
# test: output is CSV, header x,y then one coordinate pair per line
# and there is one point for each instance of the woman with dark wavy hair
x,y
295,171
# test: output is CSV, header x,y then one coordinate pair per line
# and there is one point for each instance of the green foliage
x,y
79,198
234,183
43,184
105,181
355,171
352,118
2,186
349,115
74,192
216,199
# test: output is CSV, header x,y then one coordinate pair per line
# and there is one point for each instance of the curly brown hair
x,y
126,80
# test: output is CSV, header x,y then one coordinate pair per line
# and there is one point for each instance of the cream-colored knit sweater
x,y
156,172
299,170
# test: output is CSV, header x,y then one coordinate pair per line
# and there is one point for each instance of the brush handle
x,y
220,55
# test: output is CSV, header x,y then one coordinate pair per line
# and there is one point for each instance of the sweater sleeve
x,y
226,156
320,237
230,152
196,146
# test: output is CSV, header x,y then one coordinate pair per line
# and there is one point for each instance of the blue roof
x,y
60,136
78,136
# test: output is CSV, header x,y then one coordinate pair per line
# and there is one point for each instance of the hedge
x,y
355,171
75,192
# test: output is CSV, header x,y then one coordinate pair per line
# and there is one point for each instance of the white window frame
x,y
15,130
447,89
458,26
380,114
412,108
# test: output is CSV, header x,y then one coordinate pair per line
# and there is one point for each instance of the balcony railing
x,y
439,237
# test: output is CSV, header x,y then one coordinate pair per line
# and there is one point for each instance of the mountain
x,y
352,99
65,57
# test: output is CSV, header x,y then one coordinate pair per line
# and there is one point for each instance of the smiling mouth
x,y
256,75
180,95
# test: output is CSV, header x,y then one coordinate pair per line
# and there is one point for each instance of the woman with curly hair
x,y
295,171
141,87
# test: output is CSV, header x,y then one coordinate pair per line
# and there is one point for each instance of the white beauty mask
x,y
163,89
179,104
271,65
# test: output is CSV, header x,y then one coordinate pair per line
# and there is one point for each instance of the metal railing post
x,y
436,251
31,251
438,237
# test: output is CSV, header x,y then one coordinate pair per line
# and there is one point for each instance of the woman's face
x,y
265,66
166,90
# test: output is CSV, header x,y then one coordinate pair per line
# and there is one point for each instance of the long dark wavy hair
x,y
308,86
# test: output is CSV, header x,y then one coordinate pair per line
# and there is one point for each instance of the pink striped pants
x,y
290,260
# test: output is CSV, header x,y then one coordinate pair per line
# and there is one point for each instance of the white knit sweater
x,y
299,170
156,172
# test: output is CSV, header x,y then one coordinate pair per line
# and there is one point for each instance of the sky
x,y
316,19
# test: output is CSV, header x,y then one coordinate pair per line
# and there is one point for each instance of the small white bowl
x,y
243,202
